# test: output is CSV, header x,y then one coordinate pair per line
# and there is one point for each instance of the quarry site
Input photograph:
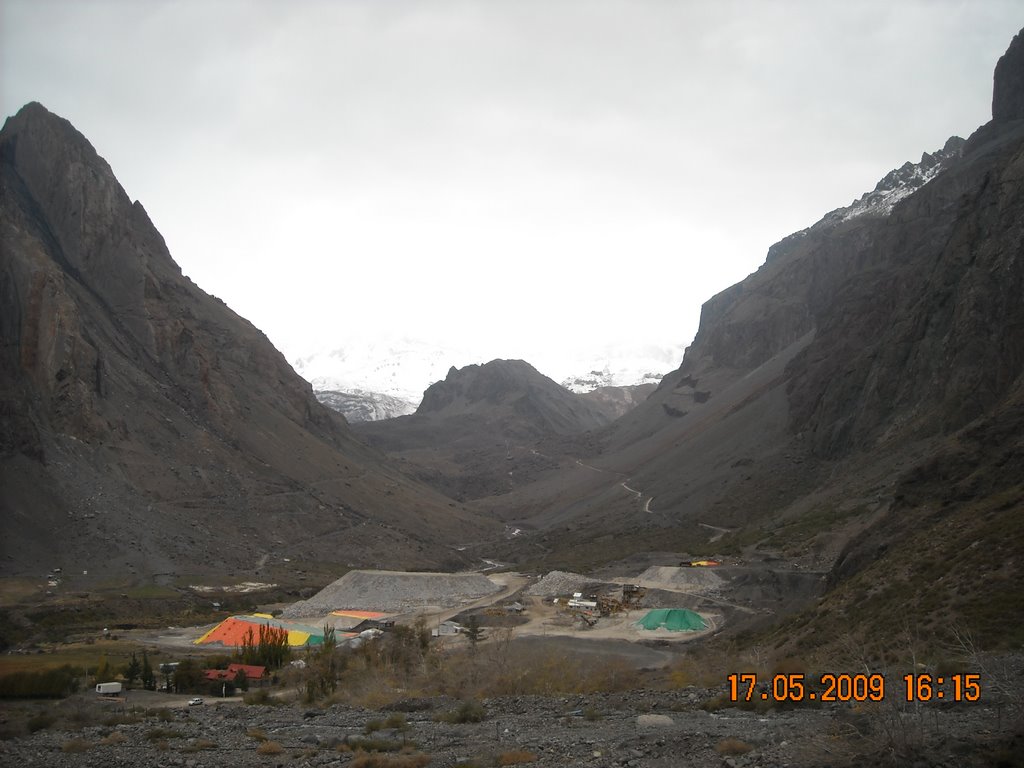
x,y
557,604
641,697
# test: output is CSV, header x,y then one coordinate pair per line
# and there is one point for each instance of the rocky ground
x,y
635,729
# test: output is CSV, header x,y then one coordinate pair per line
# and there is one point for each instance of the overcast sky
x,y
512,176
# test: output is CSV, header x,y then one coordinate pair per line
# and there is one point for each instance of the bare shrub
x,y
269,748
75,746
260,697
516,757
40,722
161,734
732,747
412,760
467,712
374,744
199,745
115,738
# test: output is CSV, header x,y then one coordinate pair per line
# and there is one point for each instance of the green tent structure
x,y
673,619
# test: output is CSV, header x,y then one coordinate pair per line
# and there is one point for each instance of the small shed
x,y
446,628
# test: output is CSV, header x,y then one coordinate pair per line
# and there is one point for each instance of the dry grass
x,y
732,747
17,590
269,748
115,738
162,734
411,760
516,757
467,712
256,733
75,746
81,655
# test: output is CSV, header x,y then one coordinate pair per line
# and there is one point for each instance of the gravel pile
x,y
393,592
700,580
562,583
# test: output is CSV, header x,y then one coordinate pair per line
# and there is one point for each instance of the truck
x,y
108,689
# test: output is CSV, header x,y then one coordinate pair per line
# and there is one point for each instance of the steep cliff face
x,y
932,336
79,243
1008,84
144,419
748,323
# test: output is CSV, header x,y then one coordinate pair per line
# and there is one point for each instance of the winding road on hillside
x,y
624,483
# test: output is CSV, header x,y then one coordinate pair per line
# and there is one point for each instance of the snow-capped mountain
x,y
379,379
890,190
360,405
399,367
899,183
621,376
621,366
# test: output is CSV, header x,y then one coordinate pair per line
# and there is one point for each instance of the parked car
x,y
196,700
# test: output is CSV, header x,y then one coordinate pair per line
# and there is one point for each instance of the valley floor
x,y
637,729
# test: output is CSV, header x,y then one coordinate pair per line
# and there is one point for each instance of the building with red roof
x,y
253,673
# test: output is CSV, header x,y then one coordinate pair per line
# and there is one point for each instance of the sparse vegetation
x,y
269,748
374,744
260,697
76,746
199,745
515,757
40,722
732,747
162,734
412,760
467,712
44,684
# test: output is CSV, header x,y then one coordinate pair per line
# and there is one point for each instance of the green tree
x,y
269,648
323,667
188,677
133,670
104,673
473,631
241,680
148,676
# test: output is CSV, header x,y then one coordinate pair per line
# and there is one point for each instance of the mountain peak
x,y
134,401
899,183
1008,83
491,382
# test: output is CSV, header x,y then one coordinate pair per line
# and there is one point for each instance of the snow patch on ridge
x,y
378,379
898,184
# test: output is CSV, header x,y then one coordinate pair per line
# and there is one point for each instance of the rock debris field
x,y
393,592
638,729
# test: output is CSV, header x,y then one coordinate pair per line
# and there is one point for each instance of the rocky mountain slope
x,y
477,432
147,429
855,406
